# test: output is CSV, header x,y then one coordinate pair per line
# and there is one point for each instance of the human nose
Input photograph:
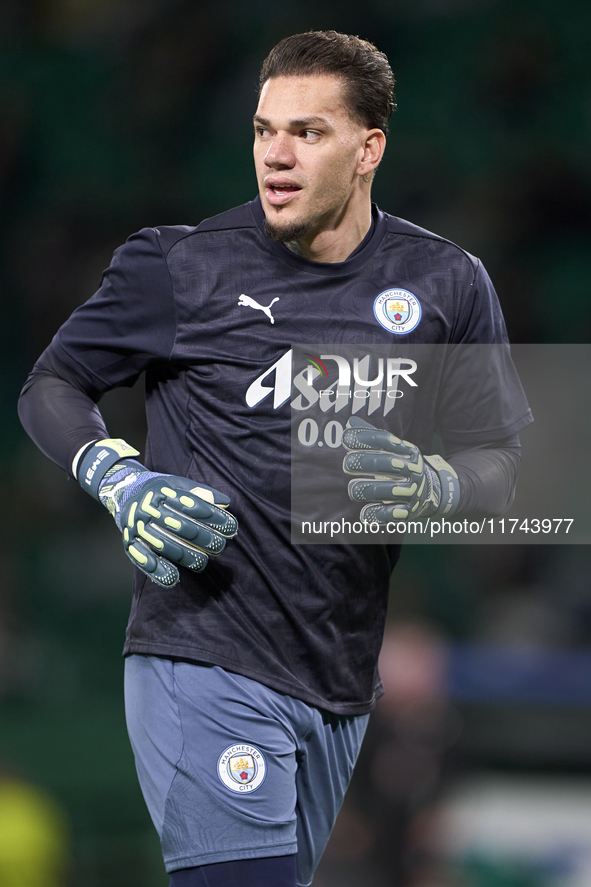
x,y
280,154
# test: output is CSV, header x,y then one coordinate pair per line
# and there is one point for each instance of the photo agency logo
x,y
334,384
351,384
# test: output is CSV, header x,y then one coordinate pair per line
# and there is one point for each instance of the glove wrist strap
x,y
97,460
450,485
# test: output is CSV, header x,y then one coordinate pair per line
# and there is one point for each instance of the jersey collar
x,y
358,257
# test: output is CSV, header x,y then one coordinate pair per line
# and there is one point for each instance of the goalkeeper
x,y
250,676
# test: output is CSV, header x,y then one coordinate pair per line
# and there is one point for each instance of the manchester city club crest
x,y
398,311
242,768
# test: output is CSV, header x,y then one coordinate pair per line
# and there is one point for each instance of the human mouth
x,y
278,193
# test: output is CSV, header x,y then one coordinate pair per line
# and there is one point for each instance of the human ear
x,y
373,150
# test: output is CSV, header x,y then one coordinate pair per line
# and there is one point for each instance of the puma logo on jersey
x,y
248,302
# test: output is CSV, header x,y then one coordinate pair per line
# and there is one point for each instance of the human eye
x,y
261,132
310,135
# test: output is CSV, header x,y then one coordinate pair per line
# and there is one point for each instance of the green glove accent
x,y
395,479
165,520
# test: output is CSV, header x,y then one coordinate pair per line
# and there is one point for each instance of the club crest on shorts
x,y
398,311
242,768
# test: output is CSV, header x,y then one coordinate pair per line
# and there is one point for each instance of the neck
x,y
334,244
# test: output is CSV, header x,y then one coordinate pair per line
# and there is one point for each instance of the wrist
x,y
98,459
450,485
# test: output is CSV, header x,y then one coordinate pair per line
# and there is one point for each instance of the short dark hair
x,y
366,71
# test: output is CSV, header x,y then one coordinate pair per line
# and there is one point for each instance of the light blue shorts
x,y
231,769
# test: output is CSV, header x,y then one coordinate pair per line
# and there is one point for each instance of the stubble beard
x,y
292,234
287,233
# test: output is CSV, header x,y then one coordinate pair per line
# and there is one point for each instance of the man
x,y
249,678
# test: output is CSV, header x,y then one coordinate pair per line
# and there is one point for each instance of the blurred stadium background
x,y
126,113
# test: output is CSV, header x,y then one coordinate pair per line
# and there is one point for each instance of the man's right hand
x,y
165,520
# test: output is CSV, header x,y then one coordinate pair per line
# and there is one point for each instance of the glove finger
x,y
381,490
182,532
358,422
382,514
180,552
167,491
168,546
371,439
373,463
204,491
359,434
223,522
204,533
158,569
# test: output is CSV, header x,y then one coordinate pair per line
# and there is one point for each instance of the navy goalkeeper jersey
x,y
211,314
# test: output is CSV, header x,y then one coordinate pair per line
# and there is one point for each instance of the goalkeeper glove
x,y
165,520
398,482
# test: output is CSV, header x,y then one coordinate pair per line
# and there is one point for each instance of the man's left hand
x,y
394,478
